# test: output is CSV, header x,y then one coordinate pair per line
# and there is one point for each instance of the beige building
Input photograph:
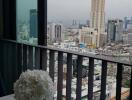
x,y
88,36
98,17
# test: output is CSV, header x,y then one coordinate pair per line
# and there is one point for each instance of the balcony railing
x,y
17,57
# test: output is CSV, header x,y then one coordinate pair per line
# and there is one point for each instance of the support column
x,y
9,19
42,22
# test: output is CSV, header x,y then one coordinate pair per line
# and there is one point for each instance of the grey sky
x,y
76,9
81,8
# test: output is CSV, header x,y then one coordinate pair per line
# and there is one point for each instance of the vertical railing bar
x,y
2,84
19,59
103,80
24,57
37,58
30,57
60,76
119,81
90,78
69,77
79,78
130,96
51,64
11,65
43,59
14,62
5,69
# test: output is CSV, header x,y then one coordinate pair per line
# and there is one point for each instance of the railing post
x,y
103,80
60,76
1,55
30,57
90,78
130,96
37,58
25,63
69,77
43,59
52,64
19,59
79,78
2,84
119,81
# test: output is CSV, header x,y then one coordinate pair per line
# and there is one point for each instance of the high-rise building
x,y
115,30
127,24
55,33
98,17
33,23
58,33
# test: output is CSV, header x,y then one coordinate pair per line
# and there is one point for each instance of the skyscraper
x,y
98,17
33,23
127,24
58,32
55,33
114,30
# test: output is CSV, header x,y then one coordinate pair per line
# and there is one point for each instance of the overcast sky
x,y
80,9
76,9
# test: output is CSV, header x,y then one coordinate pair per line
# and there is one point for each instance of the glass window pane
x,y
27,21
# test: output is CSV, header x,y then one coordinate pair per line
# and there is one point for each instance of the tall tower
x,y
98,17
58,33
33,23
55,33
115,30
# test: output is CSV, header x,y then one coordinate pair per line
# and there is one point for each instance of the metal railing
x,y
17,57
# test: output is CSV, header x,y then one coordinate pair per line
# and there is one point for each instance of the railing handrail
x,y
97,57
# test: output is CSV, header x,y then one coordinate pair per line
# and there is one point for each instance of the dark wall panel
x,y
1,19
9,19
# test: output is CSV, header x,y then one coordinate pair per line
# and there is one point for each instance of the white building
x,y
88,36
129,38
55,32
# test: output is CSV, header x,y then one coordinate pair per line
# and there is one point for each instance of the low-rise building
x,y
88,36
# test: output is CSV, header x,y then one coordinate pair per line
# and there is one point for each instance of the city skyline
x,y
75,9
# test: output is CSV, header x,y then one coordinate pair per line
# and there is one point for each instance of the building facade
x,y
129,38
88,36
33,23
55,33
98,17
115,30
127,23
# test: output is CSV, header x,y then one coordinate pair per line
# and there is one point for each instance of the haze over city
x,y
67,10
80,9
